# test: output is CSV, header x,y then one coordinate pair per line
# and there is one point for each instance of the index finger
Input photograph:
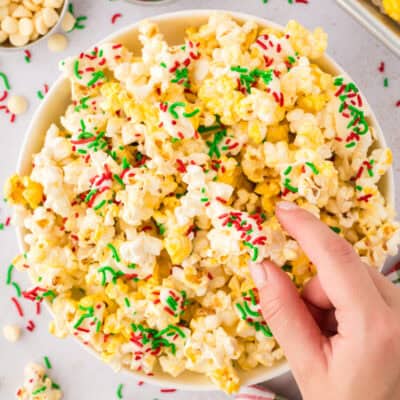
x,y
343,276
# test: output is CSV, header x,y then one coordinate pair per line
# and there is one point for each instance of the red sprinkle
x,y
381,67
169,311
181,166
261,44
4,96
365,198
398,104
18,306
167,390
115,17
82,329
31,326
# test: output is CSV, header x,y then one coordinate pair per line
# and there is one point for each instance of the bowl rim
x,y
165,380
12,49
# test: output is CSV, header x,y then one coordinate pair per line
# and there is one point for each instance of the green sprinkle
x,y
370,172
17,288
239,69
191,114
161,229
47,362
213,146
119,180
76,70
359,188
255,254
287,267
55,386
289,187
40,390
291,59
386,82
40,95
249,311
204,129
287,170
132,266
181,76
95,77
163,64
351,144
82,104
49,293
114,251
177,330
127,302
173,106
3,76
100,205
265,330
335,229
125,163
338,81
98,326
241,310
312,167
119,390
253,297
172,303
9,274
90,195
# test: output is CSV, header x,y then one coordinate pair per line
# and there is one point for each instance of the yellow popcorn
x,y
313,103
178,246
392,8
22,190
277,133
230,173
220,97
226,378
309,44
257,131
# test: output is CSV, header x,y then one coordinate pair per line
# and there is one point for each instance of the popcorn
x,y
146,204
38,385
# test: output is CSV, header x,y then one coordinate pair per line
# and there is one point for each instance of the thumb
x,y
288,318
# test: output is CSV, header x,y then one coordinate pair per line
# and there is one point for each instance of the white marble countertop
x,y
81,376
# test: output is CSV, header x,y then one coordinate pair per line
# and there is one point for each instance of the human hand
x,y
341,336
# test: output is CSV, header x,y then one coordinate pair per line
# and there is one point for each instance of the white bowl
x,y
172,26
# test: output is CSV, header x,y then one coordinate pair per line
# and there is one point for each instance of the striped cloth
x,y
258,392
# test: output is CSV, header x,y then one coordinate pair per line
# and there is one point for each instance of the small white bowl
x,y
8,48
173,26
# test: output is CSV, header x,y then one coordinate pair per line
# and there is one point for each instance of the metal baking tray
x,y
382,26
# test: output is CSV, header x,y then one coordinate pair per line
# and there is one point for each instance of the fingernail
x,y
287,206
259,274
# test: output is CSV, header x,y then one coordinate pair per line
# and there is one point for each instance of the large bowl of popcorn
x,y
148,182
